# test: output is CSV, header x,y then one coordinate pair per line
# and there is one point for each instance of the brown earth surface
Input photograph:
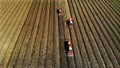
x,y
33,35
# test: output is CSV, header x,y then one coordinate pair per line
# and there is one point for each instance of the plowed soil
x,y
33,35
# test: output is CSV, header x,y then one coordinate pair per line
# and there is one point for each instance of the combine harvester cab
x,y
70,22
59,11
70,51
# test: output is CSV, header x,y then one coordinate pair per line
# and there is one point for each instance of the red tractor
x,y
60,11
70,22
70,51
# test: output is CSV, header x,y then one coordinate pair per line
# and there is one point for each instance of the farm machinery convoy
x,y
69,42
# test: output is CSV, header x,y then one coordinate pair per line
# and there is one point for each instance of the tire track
x,y
63,56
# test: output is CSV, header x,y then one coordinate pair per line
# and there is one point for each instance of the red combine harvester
x,y
60,11
70,51
70,22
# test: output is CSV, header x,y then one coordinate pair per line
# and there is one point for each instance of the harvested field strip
x,y
56,52
7,37
33,35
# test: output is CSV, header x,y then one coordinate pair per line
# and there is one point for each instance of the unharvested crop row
x,y
100,39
